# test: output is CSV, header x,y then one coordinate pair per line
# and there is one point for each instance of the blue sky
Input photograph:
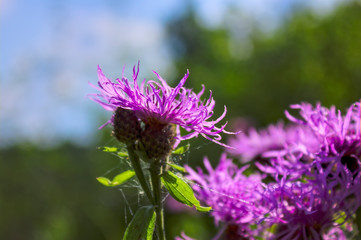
x,y
50,50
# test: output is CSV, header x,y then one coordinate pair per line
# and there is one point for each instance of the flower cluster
x,y
295,181
308,179
231,194
153,109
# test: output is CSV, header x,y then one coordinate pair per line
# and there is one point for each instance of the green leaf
x,y
117,180
122,177
181,191
273,228
122,154
142,225
119,152
340,217
179,168
253,226
109,149
203,209
105,181
181,149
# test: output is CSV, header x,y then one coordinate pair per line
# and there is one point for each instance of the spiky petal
x,y
157,101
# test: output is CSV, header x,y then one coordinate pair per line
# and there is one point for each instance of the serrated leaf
x,y
105,181
181,149
179,168
117,180
142,225
181,191
109,149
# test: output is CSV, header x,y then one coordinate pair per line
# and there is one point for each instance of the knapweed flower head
x,y
273,149
339,151
306,209
336,133
255,143
157,105
234,197
327,190
262,144
311,171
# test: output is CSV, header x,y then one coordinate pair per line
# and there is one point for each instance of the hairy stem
x,y
155,170
134,159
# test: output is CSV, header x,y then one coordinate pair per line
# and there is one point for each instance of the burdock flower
x,y
235,198
160,110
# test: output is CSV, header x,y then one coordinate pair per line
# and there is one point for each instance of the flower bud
x,y
158,139
126,126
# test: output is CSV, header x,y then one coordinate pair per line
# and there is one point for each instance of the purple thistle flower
x,y
276,149
275,140
157,102
336,133
307,210
339,139
233,197
315,166
331,180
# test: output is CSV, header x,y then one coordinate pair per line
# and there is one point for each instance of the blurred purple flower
x,y
273,141
335,233
157,102
329,185
234,197
276,149
336,134
307,209
315,169
340,145
174,206
183,237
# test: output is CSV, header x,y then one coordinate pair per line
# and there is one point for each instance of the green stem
x,y
155,171
134,159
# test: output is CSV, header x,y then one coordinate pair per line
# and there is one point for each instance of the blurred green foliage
x,y
53,194
309,58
